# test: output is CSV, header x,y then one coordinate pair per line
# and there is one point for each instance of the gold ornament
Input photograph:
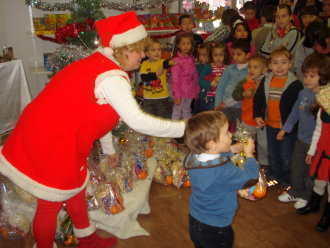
x,y
123,140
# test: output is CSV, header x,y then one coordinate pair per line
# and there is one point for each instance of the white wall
x,y
16,31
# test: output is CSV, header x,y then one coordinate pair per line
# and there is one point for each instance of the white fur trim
x,y
81,233
54,245
107,52
38,190
129,37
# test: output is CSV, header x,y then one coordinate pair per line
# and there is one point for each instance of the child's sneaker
x,y
286,197
300,203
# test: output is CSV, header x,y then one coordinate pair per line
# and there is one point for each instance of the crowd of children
x,y
265,68
268,70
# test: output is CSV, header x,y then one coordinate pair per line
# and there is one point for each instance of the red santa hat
x,y
120,30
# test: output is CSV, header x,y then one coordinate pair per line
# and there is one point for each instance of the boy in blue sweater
x,y
232,75
215,179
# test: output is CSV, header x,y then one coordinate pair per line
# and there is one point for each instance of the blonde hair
x,y
259,59
203,128
281,51
138,46
150,42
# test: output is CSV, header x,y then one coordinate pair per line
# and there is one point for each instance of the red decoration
x,y
163,36
70,31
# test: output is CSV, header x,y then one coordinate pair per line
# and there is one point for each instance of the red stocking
x,y
44,223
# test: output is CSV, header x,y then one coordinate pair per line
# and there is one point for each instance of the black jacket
x,y
288,98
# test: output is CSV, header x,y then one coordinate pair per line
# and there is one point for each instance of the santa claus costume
x,y
320,167
46,153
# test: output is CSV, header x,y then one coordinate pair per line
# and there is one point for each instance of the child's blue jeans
x,y
280,155
206,236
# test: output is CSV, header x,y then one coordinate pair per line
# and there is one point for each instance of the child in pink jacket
x,y
184,77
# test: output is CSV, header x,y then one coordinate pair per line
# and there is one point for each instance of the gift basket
x,y
17,209
258,190
170,169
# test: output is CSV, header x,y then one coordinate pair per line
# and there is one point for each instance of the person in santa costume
x,y
319,158
46,153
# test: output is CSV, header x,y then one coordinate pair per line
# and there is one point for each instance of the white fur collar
x,y
204,157
107,52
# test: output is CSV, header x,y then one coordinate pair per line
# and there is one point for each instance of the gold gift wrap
x,y
323,98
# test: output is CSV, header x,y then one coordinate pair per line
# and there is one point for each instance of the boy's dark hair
x,y
229,16
223,46
152,41
302,3
249,5
242,44
313,33
309,10
184,17
323,36
246,27
260,59
203,128
285,6
269,13
319,62
203,46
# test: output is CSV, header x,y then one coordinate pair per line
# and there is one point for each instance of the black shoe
x,y
313,205
324,222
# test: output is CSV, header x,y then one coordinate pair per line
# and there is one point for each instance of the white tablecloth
x,y
14,93
125,225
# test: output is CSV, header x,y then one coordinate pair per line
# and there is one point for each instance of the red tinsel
x,y
69,31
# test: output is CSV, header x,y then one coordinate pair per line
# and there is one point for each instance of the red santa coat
x,y
320,165
47,151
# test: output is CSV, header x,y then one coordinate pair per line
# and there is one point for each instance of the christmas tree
x,y
79,35
86,12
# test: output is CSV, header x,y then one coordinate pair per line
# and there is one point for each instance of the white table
x,y
14,93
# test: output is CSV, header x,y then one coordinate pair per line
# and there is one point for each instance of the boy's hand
x,y
249,148
177,101
248,93
280,135
236,148
260,122
308,159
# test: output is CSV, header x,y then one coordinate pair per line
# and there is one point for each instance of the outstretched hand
x,y
237,148
249,148
308,159
260,122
